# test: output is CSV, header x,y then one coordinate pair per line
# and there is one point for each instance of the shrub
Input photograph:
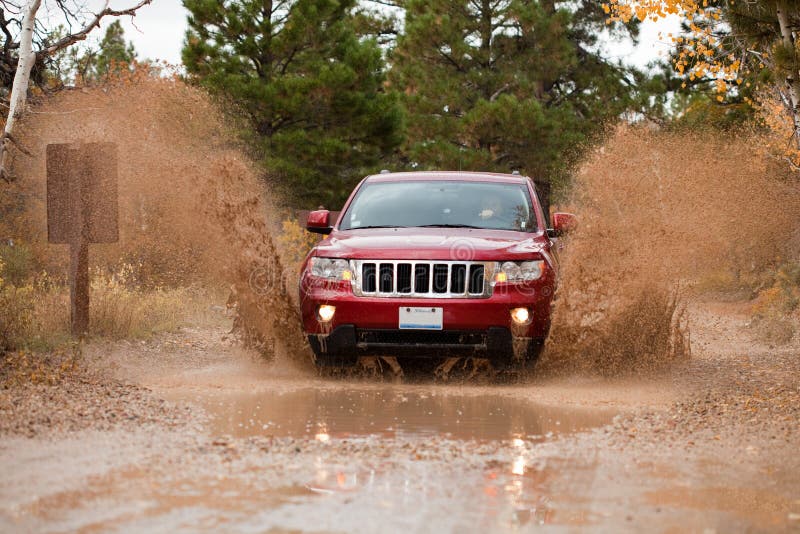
x,y
16,314
17,263
776,309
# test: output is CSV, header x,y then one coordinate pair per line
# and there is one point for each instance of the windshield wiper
x,y
377,226
450,226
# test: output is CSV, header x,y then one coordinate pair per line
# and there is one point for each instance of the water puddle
x,y
392,412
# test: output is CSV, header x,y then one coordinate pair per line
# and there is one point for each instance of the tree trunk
x,y
793,76
19,89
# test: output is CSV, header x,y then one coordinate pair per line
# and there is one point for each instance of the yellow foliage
x,y
772,113
698,54
776,310
782,298
295,243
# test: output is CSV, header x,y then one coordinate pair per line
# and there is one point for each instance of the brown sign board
x,y
82,202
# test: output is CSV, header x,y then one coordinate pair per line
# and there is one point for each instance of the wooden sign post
x,y
82,208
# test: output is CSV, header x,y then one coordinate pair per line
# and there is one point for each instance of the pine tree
x,y
311,88
112,56
506,84
115,53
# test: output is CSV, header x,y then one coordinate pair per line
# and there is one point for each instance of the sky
x,y
158,29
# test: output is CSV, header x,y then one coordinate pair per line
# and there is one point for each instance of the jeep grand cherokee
x,y
432,264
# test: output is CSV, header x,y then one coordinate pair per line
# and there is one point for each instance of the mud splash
x,y
660,214
193,204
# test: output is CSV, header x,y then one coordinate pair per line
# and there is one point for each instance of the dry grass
x,y
121,310
35,316
16,316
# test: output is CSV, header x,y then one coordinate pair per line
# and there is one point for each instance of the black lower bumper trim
x,y
494,343
341,341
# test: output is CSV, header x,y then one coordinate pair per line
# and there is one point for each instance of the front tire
x,y
324,359
523,355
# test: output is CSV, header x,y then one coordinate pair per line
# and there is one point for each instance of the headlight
x,y
531,270
519,271
331,269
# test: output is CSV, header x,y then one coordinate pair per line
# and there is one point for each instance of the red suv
x,y
432,264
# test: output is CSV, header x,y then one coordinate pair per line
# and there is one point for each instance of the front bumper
x,y
370,325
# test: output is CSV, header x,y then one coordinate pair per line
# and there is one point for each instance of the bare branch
x,y
9,42
91,25
499,92
69,16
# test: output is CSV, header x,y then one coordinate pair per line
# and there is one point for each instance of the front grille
x,y
422,279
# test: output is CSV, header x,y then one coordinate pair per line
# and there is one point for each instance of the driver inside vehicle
x,y
503,213
493,214
491,208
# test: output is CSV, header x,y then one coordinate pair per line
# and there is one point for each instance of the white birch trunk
x,y
793,78
27,58
19,89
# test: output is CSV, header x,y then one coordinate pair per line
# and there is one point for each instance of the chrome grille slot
x,y
422,279
404,278
440,274
422,272
368,277
476,278
386,284
458,278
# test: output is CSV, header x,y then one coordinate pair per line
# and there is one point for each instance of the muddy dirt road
x,y
188,432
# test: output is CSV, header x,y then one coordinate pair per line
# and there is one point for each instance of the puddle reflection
x,y
327,414
513,493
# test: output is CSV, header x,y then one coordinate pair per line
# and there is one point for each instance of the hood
x,y
463,244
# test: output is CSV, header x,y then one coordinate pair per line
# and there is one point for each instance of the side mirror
x,y
563,223
317,222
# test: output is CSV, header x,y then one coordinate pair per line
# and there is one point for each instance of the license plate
x,y
420,318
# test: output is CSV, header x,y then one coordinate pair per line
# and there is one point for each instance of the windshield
x,y
489,205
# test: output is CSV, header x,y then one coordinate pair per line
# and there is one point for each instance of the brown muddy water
x,y
326,414
365,457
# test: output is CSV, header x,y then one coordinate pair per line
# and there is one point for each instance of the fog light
x,y
325,312
521,315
